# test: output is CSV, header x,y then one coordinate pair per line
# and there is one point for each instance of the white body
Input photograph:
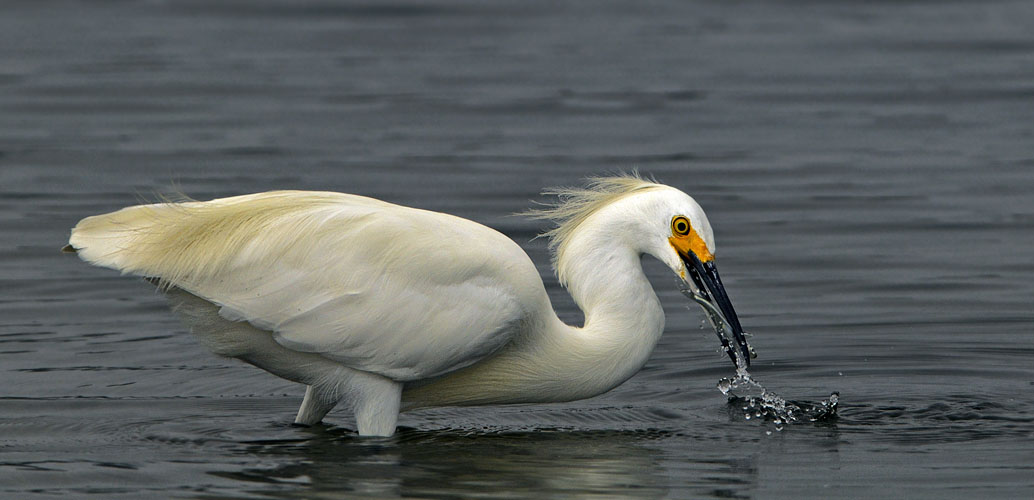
x,y
386,307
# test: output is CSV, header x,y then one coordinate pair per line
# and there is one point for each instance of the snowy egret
x,y
387,308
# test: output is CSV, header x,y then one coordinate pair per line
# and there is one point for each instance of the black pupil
x,y
680,226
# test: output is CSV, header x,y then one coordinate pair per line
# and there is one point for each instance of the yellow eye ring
x,y
680,225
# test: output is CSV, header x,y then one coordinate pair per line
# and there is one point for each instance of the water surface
x,y
866,167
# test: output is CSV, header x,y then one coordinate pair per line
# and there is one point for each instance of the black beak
x,y
709,284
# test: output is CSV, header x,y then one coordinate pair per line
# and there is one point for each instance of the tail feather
x,y
115,240
180,243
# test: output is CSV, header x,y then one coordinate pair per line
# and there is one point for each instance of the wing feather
x,y
402,292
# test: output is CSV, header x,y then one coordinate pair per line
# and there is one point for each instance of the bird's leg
x,y
316,405
376,406
374,399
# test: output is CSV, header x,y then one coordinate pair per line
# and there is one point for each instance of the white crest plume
x,y
575,204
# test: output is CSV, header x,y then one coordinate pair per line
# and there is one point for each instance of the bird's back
x,y
396,291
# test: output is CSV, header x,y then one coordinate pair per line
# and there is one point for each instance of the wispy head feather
x,y
575,204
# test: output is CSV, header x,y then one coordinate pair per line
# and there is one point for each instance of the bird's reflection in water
x,y
531,464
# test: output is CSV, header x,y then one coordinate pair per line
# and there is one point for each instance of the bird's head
x,y
683,240
652,219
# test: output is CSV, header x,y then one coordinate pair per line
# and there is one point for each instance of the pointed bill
x,y
709,286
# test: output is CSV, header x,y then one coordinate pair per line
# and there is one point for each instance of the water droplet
x,y
725,385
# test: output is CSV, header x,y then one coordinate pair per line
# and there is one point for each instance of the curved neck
x,y
550,361
623,316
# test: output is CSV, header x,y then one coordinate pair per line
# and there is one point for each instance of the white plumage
x,y
382,306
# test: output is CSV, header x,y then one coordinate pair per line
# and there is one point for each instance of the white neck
x,y
623,318
555,362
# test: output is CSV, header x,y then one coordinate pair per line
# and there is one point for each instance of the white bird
x,y
389,308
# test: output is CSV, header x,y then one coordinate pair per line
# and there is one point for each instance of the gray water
x,y
867,167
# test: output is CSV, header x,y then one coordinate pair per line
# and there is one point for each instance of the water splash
x,y
757,402
744,391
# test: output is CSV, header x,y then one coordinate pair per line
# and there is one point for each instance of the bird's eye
x,y
680,225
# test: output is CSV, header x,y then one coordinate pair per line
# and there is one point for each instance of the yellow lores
x,y
686,240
